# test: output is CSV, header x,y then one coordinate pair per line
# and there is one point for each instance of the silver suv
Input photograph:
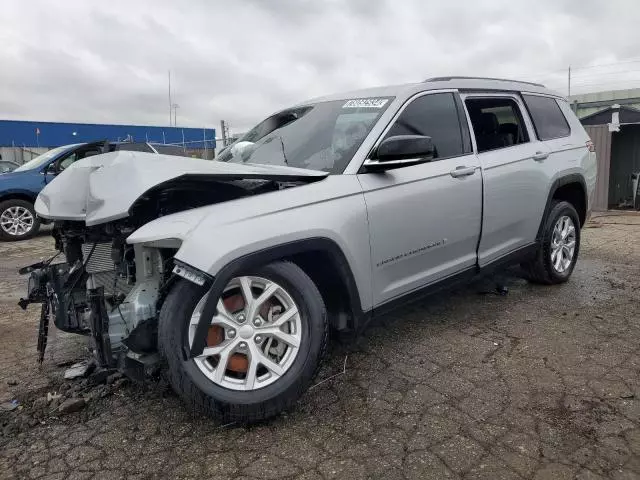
x,y
230,274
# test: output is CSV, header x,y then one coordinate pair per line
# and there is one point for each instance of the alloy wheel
x,y
563,244
16,221
254,337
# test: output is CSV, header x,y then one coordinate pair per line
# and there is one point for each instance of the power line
x,y
607,64
613,82
630,83
607,74
559,72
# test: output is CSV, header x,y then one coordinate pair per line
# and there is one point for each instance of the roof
x,y
54,134
439,83
603,117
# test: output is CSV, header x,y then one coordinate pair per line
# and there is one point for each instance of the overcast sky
x,y
107,61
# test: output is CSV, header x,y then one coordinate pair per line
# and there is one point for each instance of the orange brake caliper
x,y
238,362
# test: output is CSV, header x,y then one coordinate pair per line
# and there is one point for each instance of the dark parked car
x,y
20,187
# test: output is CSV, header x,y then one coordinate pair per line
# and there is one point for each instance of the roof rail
x,y
445,79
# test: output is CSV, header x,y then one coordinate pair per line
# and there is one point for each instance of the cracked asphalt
x,y
543,383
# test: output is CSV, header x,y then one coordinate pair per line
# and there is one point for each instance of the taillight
x,y
591,146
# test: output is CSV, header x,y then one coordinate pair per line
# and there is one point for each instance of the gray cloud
x,y
108,61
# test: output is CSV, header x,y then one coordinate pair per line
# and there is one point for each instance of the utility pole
x,y
170,104
175,107
204,141
223,129
569,82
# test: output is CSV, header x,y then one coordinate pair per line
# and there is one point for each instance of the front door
x,y
425,219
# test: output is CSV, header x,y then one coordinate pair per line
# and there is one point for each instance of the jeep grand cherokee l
x,y
325,214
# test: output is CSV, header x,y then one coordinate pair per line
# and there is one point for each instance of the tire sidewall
x,y
4,236
292,382
559,210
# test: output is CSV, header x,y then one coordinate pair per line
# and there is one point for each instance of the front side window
x,y
321,136
436,116
64,163
79,154
497,123
548,119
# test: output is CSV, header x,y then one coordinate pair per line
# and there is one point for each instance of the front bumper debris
x,y
59,289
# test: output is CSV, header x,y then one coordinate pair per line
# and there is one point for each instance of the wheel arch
x,y
315,256
18,195
571,188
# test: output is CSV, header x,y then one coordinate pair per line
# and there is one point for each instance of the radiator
x,y
101,266
99,258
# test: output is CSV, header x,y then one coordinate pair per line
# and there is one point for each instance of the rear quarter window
x,y
548,120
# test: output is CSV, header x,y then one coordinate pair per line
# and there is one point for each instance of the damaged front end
x,y
106,290
109,290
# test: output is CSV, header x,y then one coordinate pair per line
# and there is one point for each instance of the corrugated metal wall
x,y
601,136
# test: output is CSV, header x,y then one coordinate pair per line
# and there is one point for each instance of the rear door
x,y
515,182
557,126
424,220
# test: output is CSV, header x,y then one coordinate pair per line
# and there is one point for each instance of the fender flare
x,y
17,193
560,182
225,274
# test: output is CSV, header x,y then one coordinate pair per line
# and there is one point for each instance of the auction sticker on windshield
x,y
366,103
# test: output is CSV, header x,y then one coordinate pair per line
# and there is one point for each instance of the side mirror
x,y
51,169
401,151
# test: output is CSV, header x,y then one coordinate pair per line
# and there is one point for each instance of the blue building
x,y
39,135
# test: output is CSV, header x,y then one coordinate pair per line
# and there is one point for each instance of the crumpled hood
x,y
103,188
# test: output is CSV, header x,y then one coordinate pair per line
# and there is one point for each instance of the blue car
x,y
19,188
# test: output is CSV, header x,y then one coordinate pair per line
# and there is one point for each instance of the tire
x,y
18,205
541,269
202,394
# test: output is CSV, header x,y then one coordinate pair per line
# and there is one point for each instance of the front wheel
x,y
558,253
263,346
18,220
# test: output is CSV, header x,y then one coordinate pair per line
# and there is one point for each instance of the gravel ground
x,y
543,383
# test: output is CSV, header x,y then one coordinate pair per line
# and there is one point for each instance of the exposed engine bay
x,y
102,287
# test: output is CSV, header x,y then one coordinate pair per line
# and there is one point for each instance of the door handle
x,y
462,171
539,156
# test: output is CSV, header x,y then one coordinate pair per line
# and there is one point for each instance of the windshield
x,y
40,160
322,136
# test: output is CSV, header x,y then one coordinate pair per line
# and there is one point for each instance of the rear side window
x,y
436,116
548,119
497,123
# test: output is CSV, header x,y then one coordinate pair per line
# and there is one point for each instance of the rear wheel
x,y
263,346
18,220
558,253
